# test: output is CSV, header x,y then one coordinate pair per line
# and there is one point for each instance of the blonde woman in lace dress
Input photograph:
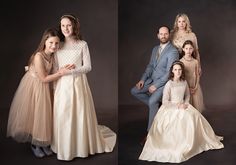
x,y
192,76
181,32
76,132
30,116
179,131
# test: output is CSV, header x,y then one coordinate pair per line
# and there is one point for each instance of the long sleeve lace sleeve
x,y
86,62
166,94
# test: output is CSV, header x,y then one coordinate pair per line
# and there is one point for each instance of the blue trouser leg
x,y
141,94
154,103
152,100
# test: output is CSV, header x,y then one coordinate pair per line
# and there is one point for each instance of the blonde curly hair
x,y
188,28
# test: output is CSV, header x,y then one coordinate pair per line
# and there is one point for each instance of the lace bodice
x,y
47,67
76,53
178,40
175,92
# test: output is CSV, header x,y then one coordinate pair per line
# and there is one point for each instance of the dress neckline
x,y
188,60
49,60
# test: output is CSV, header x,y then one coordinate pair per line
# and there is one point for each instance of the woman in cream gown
x,y
179,131
76,132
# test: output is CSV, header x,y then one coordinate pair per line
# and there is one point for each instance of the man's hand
x,y
152,89
140,84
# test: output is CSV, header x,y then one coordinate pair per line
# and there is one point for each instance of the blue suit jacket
x,y
157,71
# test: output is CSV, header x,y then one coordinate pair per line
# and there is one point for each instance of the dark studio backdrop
x,y
22,26
214,24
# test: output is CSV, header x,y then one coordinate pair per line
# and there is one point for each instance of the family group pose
x,y
53,106
59,117
170,87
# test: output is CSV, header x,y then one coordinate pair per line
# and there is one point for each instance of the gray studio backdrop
x,y
22,25
215,26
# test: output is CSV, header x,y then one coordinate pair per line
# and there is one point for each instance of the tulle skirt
x,y
30,116
197,99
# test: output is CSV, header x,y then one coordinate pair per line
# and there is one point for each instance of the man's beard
x,y
164,42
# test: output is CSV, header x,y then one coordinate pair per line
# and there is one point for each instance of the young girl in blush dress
x,y
30,116
192,76
179,131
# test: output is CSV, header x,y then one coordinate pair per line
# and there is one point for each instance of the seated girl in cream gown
x,y
179,131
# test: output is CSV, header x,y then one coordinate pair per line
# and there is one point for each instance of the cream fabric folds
x,y
177,134
76,131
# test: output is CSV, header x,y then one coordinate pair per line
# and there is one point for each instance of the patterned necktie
x,y
159,52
